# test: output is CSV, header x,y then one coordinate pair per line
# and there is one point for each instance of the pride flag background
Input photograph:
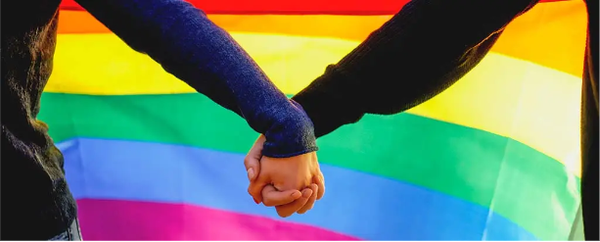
x,y
450,169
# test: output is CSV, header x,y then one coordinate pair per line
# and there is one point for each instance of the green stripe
x,y
513,179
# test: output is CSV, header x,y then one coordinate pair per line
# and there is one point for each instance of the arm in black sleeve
x,y
188,45
417,54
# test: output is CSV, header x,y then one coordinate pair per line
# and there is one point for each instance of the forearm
x,y
188,45
417,54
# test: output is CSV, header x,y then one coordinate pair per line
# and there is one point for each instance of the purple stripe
x,y
131,220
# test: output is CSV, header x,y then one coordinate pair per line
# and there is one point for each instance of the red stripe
x,y
335,7
130,220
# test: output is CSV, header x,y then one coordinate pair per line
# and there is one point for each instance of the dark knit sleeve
x,y
417,54
188,45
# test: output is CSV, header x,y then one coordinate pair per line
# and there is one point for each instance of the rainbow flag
x,y
450,169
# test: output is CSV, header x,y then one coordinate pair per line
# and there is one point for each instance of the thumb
x,y
252,160
253,169
255,188
252,164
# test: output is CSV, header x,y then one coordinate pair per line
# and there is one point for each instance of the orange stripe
x,y
564,23
337,7
562,29
79,22
303,25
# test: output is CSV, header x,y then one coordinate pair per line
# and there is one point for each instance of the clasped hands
x,y
291,185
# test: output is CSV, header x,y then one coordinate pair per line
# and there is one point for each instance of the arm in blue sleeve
x,y
188,45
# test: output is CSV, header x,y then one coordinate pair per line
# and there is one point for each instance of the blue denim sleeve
x,y
188,45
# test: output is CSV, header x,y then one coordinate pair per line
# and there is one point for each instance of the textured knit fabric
x,y
36,202
424,49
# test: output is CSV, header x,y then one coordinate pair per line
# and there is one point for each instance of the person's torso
x,y
36,202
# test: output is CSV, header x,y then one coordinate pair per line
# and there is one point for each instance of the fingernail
x,y
307,193
256,201
296,194
250,173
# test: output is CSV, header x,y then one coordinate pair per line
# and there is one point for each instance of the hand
x,y
278,181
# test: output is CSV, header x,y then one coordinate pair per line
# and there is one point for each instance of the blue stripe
x,y
384,210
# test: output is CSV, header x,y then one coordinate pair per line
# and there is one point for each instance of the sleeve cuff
x,y
291,137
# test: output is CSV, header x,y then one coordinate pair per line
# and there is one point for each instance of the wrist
x,y
293,135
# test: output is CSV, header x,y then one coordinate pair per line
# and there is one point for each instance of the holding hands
x,y
289,184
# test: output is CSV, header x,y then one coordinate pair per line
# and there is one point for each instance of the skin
x,y
291,185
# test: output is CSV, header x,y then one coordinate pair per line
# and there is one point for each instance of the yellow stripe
x,y
114,69
525,101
